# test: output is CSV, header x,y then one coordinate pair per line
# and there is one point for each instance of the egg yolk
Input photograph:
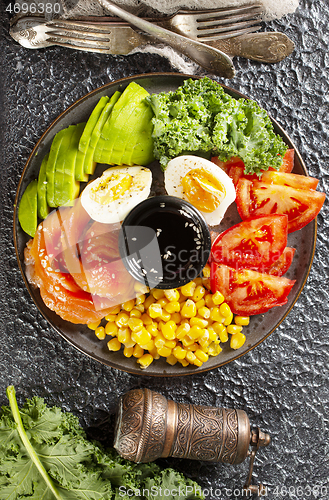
x,y
111,188
203,190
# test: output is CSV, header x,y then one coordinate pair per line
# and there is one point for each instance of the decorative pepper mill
x,y
148,426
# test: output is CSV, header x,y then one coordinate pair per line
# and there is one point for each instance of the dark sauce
x,y
179,239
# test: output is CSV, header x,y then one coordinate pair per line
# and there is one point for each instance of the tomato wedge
x,y
255,243
281,266
259,198
249,292
287,179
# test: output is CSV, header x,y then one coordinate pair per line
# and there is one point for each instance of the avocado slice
x,y
89,163
66,188
92,120
28,208
138,149
43,208
114,132
80,174
50,169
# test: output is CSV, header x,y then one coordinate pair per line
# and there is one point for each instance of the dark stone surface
x,y
283,383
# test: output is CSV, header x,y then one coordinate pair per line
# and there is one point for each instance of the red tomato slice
x,y
258,198
287,179
281,266
255,243
288,161
249,292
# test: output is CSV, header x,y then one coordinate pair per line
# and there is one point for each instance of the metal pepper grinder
x,y
149,426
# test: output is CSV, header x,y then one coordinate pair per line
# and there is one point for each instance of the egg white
x,y
181,165
116,210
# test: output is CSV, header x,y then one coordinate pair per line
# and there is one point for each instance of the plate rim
x,y
112,363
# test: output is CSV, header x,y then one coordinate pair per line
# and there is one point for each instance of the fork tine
x,y
230,34
227,28
254,8
64,37
84,47
227,20
82,28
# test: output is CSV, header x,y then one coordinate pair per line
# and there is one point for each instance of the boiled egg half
x,y
110,198
205,185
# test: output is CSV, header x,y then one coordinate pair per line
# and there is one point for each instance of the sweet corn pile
x,y
185,325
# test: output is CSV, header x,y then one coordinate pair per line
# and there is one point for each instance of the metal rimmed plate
x,y
84,339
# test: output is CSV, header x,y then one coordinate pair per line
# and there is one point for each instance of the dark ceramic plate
x,y
84,339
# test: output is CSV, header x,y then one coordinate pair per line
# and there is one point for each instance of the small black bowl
x,y
164,242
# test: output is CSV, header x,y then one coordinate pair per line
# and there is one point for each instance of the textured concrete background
x,y
283,383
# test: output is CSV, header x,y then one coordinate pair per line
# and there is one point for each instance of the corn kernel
x,y
139,307
190,357
170,343
224,309
148,301
146,319
159,340
128,352
164,351
135,313
171,360
214,349
100,332
141,288
169,330
140,299
192,347
188,309
157,293
141,337
218,298
218,327
206,271
188,289
184,362
176,317
204,312
228,320
182,298
154,311
198,362
111,329
152,329
149,346
111,317
195,332
154,353
172,307
114,345
138,351
212,334
182,330
200,303
124,336
145,360
199,293
94,325
128,305
241,320
223,336
237,340
165,316
172,295
187,341
201,355
209,301
163,301
196,321
234,329
216,315
179,352
122,319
